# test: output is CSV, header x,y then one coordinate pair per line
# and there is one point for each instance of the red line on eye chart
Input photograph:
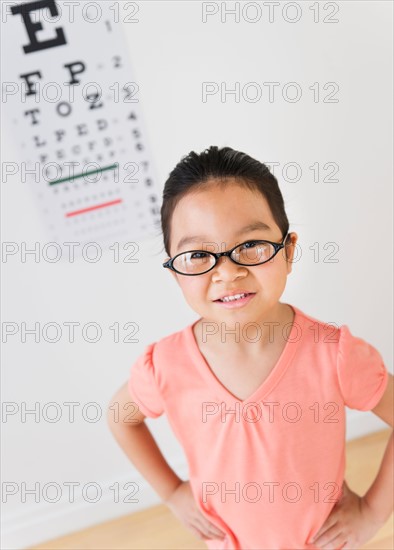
x,y
90,208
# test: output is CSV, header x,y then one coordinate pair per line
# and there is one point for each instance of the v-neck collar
x,y
272,379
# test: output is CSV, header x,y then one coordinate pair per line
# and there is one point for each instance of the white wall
x,y
173,53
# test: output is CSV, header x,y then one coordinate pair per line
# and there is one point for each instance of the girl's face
x,y
213,219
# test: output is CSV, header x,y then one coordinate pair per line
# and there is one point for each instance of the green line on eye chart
x,y
89,173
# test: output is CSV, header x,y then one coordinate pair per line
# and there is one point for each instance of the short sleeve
x,y
143,385
361,372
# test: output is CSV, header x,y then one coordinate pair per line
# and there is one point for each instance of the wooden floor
x,y
157,528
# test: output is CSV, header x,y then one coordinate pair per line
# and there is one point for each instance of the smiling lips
x,y
234,296
237,301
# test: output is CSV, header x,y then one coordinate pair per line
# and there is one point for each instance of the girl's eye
x,y
198,255
249,244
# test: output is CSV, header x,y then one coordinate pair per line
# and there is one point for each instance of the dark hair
x,y
194,170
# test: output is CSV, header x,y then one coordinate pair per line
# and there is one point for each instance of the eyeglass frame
x,y
217,255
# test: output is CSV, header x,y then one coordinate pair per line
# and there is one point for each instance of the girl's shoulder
x,y
333,332
311,323
177,342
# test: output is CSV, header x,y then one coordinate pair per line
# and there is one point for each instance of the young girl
x,y
255,389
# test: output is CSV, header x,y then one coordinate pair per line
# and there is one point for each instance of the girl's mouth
x,y
234,302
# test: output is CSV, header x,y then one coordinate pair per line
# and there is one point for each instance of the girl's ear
x,y
173,273
290,250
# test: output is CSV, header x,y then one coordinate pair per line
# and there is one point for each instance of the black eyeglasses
x,y
197,262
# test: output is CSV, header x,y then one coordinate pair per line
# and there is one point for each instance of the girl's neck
x,y
250,339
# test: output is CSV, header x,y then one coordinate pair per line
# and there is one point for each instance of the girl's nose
x,y
225,269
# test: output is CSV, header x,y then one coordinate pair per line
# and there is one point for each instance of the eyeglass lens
x,y
249,254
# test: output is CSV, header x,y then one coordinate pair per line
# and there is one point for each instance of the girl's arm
x,y
354,520
379,496
139,445
137,442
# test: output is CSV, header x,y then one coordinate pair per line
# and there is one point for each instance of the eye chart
x,y
73,113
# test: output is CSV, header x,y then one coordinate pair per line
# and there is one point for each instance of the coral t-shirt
x,y
266,470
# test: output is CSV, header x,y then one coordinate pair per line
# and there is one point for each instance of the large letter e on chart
x,y
32,28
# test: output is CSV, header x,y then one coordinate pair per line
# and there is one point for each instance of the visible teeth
x,y
232,298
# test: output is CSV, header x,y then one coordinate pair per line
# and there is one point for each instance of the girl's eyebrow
x,y
258,225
